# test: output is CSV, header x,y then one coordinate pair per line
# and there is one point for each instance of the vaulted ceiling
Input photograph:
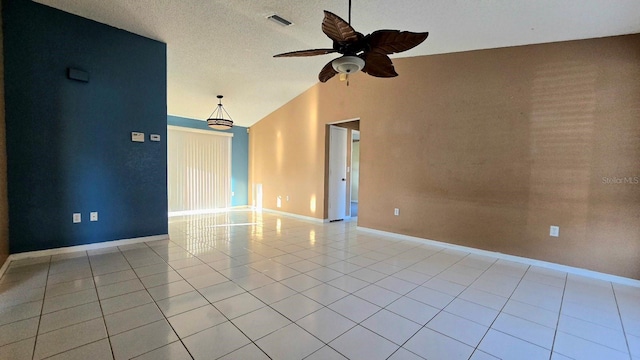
x,y
226,47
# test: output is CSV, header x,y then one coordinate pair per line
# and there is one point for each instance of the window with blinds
x,y
199,170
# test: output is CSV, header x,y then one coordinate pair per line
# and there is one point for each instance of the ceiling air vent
x,y
279,20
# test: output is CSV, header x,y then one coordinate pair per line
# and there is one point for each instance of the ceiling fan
x,y
359,52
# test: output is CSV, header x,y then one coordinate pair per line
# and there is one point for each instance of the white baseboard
x,y
76,248
544,264
301,217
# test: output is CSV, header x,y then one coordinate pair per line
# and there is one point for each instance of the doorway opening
x,y
339,172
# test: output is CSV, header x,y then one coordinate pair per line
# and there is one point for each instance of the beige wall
x,y
4,204
484,149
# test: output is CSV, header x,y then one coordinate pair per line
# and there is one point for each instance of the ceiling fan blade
x,y
327,72
395,41
337,29
378,65
312,52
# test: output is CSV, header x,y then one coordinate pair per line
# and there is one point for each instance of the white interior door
x,y
337,173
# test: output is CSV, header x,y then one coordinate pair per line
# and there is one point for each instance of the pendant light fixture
x,y
217,121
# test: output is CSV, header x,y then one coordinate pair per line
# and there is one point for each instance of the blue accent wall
x,y
69,143
239,156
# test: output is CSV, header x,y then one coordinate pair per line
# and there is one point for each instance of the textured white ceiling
x,y
226,47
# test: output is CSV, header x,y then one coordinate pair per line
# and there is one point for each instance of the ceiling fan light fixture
x,y
348,64
368,53
216,120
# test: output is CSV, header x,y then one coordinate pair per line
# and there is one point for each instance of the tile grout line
x,y
350,293
104,321
500,311
325,306
199,293
559,312
44,296
210,303
440,310
402,295
624,332
164,317
599,325
232,323
555,332
76,347
269,306
41,315
509,298
300,293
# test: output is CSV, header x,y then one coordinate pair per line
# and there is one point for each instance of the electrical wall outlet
x,y
93,216
554,231
396,212
77,217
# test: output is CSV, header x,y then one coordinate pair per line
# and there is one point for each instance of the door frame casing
x,y
326,167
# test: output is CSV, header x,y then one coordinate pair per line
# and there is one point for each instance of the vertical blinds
x,y
199,170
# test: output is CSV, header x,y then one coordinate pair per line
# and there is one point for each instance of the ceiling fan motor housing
x,y
348,64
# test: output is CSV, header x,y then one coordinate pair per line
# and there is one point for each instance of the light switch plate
x,y
137,136
554,231
154,137
77,217
93,216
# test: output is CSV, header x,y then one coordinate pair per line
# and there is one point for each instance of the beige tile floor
x,y
276,287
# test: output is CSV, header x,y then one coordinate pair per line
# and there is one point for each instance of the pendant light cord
x,y
349,12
